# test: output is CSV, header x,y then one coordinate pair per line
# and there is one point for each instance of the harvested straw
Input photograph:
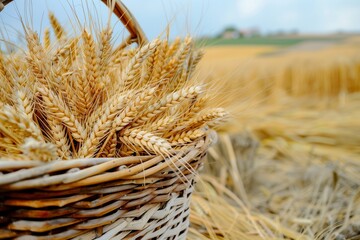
x,y
299,179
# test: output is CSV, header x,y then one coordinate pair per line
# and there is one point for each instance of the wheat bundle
x,y
99,139
86,98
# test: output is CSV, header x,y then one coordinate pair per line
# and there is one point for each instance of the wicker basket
x,y
124,198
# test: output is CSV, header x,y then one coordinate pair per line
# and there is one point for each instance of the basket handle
x,y
120,10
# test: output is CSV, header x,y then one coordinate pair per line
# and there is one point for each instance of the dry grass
x,y
292,171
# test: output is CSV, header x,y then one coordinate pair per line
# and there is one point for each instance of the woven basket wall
x,y
124,198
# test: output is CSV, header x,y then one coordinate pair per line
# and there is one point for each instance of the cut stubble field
x,y
287,166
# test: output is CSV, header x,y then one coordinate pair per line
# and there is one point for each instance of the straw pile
x,y
322,74
292,172
82,97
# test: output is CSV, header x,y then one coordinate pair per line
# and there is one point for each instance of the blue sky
x,y
210,16
205,17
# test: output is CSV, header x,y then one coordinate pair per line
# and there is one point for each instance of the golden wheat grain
x,y
105,50
19,120
35,150
101,127
159,60
91,60
147,141
68,91
117,101
59,139
209,116
110,148
173,48
167,102
195,58
178,60
47,40
6,80
38,60
58,29
161,124
194,107
189,136
58,108
147,69
132,70
132,109
66,52
24,102
3,71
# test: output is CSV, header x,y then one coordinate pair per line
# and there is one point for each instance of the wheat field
x,y
287,166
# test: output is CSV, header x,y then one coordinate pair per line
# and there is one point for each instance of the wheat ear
x,y
58,29
167,102
178,60
133,109
159,60
195,107
186,137
133,68
194,61
173,48
116,99
6,81
104,51
147,141
101,127
209,116
58,108
37,59
91,61
66,51
110,148
47,41
35,150
128,114
21,120
23,103
59,138
161,124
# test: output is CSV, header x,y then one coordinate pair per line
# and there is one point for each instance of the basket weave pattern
x,y
131,197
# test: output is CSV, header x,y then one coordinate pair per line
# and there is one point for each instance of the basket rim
x,y
89,171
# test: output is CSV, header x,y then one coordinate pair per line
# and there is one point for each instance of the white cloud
x,y
249,8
